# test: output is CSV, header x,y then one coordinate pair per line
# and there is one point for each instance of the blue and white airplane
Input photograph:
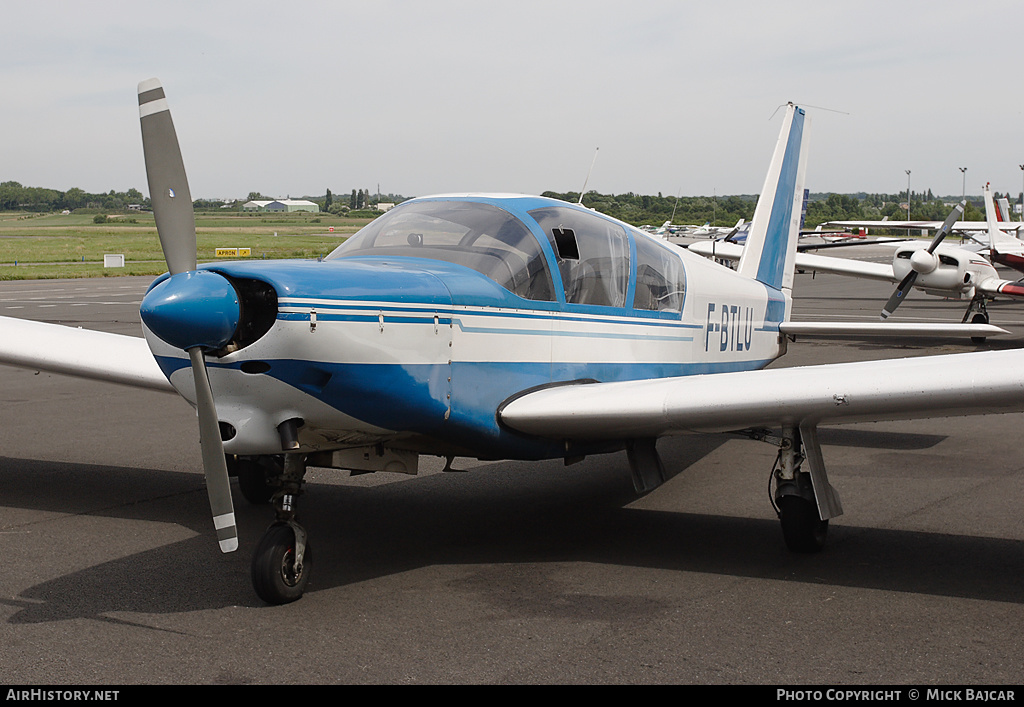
x,y
492,326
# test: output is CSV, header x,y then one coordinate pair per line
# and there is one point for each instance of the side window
x,y
592,253
660,282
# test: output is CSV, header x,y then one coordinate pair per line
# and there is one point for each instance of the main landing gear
x,y
283,560
803,498
980,316
258,477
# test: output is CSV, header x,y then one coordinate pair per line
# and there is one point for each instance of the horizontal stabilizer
x,y
888,329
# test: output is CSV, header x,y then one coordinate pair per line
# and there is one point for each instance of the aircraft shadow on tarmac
x,y
534,514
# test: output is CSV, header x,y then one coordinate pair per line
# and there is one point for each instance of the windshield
x,y
478,236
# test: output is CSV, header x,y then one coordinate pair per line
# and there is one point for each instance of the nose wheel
x,y
283,560
281,564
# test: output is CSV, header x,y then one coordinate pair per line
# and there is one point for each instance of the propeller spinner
x,y
194,310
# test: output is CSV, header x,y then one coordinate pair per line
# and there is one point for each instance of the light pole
x,y
908,193
963,195
1022,194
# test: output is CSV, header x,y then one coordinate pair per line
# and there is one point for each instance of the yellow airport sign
x,y
233,252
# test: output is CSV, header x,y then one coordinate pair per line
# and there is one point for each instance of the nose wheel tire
x,y
275,576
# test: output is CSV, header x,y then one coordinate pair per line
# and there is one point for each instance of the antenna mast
x,y
584,189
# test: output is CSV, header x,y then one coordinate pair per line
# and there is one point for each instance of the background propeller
x,y
922,261
175,223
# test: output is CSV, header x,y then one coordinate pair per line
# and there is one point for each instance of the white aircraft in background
x,y
959,227
708,231
683,231
493,326
1003,242
942,270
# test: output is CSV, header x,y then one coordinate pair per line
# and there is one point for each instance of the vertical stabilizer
x,y
770,252
1004,208
999,242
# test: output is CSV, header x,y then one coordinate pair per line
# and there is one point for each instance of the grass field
x,y
41,246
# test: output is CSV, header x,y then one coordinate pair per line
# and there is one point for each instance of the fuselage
x,y
950,271
413,333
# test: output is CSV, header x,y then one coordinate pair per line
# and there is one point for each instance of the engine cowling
x,y
942,270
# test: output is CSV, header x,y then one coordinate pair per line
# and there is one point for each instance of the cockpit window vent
x,y
565,242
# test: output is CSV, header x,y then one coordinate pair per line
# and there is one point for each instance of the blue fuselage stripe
x,y
414,398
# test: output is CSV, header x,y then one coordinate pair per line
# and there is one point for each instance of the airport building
x,y
286,205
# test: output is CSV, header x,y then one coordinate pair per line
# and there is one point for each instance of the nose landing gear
x,y
283,560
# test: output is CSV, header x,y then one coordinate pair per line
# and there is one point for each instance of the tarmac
x,y
510,572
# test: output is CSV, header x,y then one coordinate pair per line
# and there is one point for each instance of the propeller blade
x,y
947,225
899,294
218,485
176,225
168,185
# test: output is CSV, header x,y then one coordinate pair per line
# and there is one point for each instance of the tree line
x,y
636,209
15,197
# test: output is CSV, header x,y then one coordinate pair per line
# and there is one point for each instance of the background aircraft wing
x,y
805,261
925,225
845,266
935,386
1010,288
80,352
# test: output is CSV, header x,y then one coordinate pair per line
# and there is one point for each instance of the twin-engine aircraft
x,y
491,326
936,269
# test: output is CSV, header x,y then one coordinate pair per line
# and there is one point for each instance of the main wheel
x,y
979,318
802,529
258,478
274,576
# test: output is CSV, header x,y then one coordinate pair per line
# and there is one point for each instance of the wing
x,y
994,286
935,386
805,261
80,352
924,225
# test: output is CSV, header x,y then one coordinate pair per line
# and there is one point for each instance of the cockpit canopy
x,y
591,253
478,236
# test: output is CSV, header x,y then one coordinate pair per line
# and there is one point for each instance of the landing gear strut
x,y
978,306
803,500
283,560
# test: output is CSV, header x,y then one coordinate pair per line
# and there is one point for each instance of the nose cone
x,y
923,262
196,308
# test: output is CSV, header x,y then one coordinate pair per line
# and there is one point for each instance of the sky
x,y
441,96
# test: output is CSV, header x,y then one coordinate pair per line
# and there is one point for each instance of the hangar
x,y
287,205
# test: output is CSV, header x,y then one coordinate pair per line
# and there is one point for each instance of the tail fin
x,y
1004,208
998,241
770,253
